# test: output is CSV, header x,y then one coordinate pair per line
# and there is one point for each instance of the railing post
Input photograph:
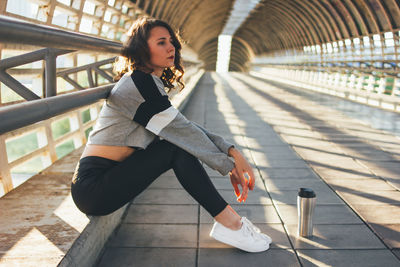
x,y
5,174
3,6
74,122
51,73
396,87
90,77
51,145
80,125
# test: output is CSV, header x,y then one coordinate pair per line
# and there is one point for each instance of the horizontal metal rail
x,y
362,88
23,114
17,31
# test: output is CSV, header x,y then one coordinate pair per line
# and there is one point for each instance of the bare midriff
x,y
117,153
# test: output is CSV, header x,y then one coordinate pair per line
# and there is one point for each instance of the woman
x,y
139,135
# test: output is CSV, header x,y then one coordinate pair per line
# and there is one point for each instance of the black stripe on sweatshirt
x,y
145,84
154,102
149,108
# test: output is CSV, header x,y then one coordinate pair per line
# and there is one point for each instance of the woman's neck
x,y
158,72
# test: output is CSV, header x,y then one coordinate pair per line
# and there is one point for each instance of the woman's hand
x,y
237,175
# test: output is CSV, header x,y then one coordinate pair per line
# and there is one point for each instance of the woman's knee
x,y
180,156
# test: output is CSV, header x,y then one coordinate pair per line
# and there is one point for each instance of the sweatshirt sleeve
x,y
219,141
158,116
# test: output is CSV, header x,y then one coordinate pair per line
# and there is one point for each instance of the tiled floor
x,y
292,142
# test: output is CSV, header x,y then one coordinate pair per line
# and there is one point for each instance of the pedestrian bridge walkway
x,y
292,140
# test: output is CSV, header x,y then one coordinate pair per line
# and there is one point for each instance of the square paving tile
x,y
143,213
169,257
265,162
232,257
305,141
323,214
164,196
397,253
372,197
382,214
170,172
214,173
282,152
222,183
328,173
266,142
294,184
275,231
290,197
345,258
336,162
312,153
47,259
274,152
390,233
394,182
336,236
166,182
255,213
299,173
155,235
369,184
256,196
384,169
225,184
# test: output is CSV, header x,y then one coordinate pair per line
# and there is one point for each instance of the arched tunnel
x,y
278,26
289,115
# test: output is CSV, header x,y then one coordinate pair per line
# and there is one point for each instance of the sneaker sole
x,y
237,244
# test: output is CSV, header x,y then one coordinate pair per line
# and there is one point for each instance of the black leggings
x,y
101,186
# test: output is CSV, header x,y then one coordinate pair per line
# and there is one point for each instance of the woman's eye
x,y
161,43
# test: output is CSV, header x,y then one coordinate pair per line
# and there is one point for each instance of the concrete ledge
x,y
88,246
40,224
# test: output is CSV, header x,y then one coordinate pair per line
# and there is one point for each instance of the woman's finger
x,y
245,189
237,191
251,181
234,179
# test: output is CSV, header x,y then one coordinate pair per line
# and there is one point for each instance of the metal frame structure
x,y
38,114
57,40
108,19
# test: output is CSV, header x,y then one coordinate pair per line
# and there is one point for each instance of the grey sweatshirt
x,y
138,109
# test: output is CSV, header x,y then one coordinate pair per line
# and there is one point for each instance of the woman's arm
x,y
219,141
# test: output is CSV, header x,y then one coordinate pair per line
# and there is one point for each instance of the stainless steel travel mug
x,y
305,208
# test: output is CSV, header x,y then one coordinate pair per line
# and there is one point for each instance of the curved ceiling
x,y
276,25
273,24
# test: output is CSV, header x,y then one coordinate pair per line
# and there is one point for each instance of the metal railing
x,y
378,91
18,31
37,115
23,114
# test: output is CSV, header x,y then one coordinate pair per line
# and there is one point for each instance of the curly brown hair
x,y
135,52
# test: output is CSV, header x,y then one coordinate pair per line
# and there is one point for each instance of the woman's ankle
x,y
229,218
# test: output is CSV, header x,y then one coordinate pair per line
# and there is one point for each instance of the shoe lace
x,y
250,224
251,229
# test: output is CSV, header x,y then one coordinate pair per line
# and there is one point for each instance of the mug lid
x,y
306,192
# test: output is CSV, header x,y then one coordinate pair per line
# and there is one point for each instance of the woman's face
x,y
162,51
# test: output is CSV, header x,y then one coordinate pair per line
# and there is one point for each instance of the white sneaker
x,y
248,238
